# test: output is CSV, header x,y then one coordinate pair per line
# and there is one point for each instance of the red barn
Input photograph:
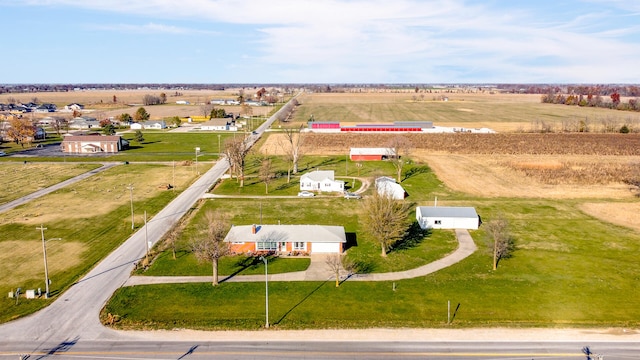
x,y
370,154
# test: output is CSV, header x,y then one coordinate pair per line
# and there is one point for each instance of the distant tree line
x,y
613,101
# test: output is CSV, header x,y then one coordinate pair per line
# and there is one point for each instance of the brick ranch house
x,y
92,144
307,239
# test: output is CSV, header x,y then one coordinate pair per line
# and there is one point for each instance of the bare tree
x,y
339,263
399,149
236,150
500,240
209,243
206,109
385,219
266,173
293,149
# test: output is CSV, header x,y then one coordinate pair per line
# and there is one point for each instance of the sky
x,y
320,41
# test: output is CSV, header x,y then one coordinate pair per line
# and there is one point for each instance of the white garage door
x,y
325,248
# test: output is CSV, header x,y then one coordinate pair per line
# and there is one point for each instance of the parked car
x,y
350,195
2,153
306,194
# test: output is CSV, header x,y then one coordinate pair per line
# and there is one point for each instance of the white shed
x,y
387,186
447,217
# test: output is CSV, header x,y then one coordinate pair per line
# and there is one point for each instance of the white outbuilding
x,y
386,186
447,217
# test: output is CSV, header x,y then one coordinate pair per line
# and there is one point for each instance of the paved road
x,y
50,189
334,349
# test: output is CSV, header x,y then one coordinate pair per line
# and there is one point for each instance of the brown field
x,y
501,112
623,214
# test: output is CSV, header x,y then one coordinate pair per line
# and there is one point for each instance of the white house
x,y
447,217
387,186
149,125
286,238
321,180
182,102
220,124
73,106
84,122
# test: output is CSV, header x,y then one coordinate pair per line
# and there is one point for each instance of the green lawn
x,y
568,270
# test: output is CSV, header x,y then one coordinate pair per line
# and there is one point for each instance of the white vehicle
x,y
306,194
2,153
350,195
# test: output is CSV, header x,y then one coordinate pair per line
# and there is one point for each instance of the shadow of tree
x,y
299,303
413,237
416,170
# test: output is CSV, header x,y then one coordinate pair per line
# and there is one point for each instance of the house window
x,y
238,242
263,245
299,246
438,222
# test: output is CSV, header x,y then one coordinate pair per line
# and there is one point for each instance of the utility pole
x,y
130,187
46,268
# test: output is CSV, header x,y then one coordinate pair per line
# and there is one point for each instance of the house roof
x,y
448,211
389,186
216,122
371,151
287,233
319,175
91,138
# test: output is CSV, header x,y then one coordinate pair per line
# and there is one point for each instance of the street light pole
x,y
197,151
266,286
130,187
46,268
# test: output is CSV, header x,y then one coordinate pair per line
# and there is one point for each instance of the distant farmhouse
x,y
219,124
321,180
149,125
312,239
84,122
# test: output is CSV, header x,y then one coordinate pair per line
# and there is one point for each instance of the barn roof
x,y
448,211
287,233
371,151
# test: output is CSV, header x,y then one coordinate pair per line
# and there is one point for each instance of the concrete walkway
x,y
318,270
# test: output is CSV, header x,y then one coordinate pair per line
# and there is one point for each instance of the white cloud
x,y
151,28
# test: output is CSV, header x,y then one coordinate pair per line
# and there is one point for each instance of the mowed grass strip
x,y
92,218
20,179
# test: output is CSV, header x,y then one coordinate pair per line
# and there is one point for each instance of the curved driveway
x,y
317,271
